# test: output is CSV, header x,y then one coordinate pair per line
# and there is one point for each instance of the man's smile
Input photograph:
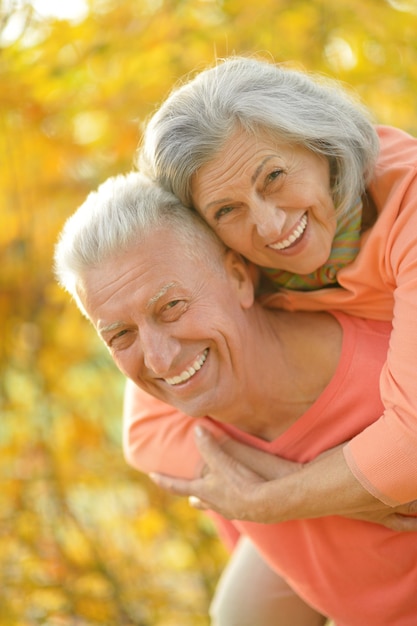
x,y
189,372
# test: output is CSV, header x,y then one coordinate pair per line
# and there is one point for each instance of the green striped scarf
x,y
346,244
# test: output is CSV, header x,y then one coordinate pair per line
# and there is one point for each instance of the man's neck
x,y
294,355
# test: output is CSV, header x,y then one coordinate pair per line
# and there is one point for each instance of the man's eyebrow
x,y
160,293
111,327
120,324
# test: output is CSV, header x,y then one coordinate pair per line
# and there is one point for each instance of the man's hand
x,y
240,482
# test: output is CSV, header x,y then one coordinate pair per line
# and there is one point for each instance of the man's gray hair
x,y
196,120
119,216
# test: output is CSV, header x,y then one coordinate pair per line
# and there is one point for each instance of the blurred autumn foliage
x,y
85,540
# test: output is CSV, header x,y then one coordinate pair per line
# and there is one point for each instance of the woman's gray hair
x,y
196,120
119,216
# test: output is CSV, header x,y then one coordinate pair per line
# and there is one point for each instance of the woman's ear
x,y
239,272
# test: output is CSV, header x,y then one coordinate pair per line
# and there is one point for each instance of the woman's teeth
x,y
296,234
188,373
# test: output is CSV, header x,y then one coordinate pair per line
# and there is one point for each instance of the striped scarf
x,y
346,244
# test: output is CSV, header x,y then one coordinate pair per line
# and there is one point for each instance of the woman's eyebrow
x,y
216,202
260,168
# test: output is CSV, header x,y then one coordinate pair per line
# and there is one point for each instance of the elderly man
x,y
177,312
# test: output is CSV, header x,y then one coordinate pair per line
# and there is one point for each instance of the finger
x,y
409,509
218,460
209,447
177,486
267,466
196,503
402,523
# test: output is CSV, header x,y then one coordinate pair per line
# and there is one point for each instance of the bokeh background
x,y
84,539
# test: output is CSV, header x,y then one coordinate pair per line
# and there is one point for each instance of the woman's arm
x,y
247,484
241,482
384,456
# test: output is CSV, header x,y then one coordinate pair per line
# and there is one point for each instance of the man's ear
x,y
238,270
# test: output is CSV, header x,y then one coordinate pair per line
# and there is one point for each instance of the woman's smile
x,y
293,238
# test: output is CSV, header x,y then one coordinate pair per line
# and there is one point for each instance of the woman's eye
x,y
273,175
222,212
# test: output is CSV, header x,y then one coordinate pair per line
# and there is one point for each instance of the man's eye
x,y
222,212
172,304
173,310
119,338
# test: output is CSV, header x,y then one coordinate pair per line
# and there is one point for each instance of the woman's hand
x,y
240,482
232,480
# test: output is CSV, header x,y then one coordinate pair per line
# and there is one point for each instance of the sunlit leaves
x,y
84,539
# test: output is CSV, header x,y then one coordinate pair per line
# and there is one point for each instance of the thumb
x,y
210,448
218,460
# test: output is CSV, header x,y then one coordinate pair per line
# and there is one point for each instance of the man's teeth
x,y
296,234
186,374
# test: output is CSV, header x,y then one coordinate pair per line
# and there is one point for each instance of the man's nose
x,y
268,218
159,350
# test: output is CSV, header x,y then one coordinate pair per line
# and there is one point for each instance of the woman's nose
x,y
269,219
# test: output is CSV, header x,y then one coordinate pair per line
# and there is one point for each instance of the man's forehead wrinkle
x,y
161,293
103,283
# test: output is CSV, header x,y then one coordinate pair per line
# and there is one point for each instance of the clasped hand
x,y
241,482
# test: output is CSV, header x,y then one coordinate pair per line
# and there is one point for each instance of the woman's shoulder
x,y
397,147
394,180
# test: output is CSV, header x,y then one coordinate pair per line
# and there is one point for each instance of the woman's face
x,y
270,201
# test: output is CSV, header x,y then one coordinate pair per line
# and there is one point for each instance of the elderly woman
x,y
176,310
290,172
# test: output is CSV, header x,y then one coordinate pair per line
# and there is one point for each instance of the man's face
x,y
175,325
